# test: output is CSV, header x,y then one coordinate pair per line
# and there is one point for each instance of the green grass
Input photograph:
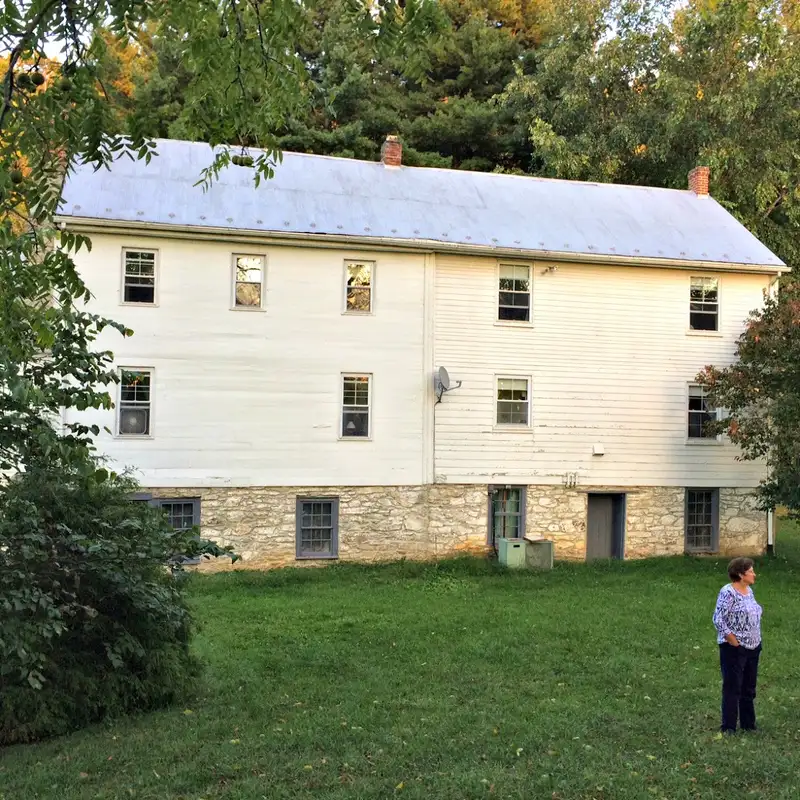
x,y
452,681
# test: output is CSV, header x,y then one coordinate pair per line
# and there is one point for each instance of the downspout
x,y
771,532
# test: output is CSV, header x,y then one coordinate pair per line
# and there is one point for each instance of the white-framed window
x,y
700,414
514,293
248,281
356,400
134,409
513,401
139,269
704,304
359,287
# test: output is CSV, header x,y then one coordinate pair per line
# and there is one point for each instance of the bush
x,y
94,618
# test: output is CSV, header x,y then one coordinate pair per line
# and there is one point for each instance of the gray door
x,y
600,527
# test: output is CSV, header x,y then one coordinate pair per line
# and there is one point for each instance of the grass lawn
x,y
453,681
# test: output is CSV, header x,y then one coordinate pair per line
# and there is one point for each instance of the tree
x,y
760,394
75,552
444,110
638,93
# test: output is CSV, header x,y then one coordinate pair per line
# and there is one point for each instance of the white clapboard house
x,y
281,387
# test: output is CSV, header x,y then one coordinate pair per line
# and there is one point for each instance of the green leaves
x,y
93,621
760,393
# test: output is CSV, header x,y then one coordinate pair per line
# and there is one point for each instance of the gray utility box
x,y
539,553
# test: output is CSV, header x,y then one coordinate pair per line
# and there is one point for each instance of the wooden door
x,y
600,527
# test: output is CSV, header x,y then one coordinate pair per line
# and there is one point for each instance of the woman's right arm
x,y
721,617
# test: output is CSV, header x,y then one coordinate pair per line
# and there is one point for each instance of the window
x,y
139,276
182,514
700,415
514,303
359,279
506,513
702,520
355,406
704,304
317,527
249,281
513,401
134,403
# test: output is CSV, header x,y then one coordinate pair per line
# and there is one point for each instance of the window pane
x,y
248,269
359,299
510,413
136,385
699,321
359,275
134,421
179,515
140,263
355,391
513,314
355,423
248,294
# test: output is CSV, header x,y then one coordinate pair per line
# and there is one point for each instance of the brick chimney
x,y
698,180
392,152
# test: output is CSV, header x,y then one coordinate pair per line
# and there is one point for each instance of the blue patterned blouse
x,y
738,614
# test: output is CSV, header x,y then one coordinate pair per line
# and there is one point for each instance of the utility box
x,y
539,553
511,552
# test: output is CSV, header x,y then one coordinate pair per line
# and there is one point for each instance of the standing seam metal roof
x,y
317,195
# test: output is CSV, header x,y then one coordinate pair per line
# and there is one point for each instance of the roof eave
x,y
239,235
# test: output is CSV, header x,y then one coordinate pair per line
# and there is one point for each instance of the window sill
x,y
358,313
355,438
250,309
316,557
704,442
132,438
138,305
706,334
503,323
512,429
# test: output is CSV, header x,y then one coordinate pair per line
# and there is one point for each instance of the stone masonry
x,y
380,523
376,523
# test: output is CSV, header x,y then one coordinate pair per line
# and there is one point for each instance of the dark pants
x,y
739,675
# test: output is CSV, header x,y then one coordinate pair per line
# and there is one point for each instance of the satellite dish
x,y
444,384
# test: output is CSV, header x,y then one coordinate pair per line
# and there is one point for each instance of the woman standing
x,y
737,619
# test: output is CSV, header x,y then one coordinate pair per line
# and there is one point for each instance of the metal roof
x,y
321,196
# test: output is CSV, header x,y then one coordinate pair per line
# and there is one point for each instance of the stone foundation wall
x,y
742,526
380,523
376,523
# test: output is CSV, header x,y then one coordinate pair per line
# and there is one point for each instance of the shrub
x,y
94,618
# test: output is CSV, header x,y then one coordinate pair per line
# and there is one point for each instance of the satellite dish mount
x,y
443,384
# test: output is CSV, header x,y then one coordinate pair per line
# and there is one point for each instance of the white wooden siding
x,y
248,397
610,358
